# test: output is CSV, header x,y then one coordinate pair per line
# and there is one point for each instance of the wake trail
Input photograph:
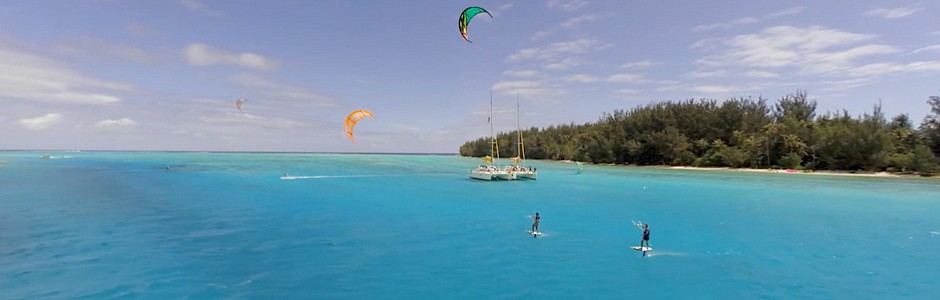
x,y
331,176
355,176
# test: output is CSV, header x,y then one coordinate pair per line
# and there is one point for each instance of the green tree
x,y
930,127
791,161
670,144
924,161
738,132
634,149
771,135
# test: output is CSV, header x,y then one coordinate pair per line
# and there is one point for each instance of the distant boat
x,y
488,170
517,169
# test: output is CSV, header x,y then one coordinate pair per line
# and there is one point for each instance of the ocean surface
x,y
105,225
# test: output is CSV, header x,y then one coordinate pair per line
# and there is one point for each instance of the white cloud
x,y
788,11
893,13
505,6
203,55
555,49
823,63
504,85
198,6
566,5
250,120
814,49
708,43
580,19
934,48
761,74
24,75
88,47
627,92
847,84
583,78
521,73
540,35
725,25
119,123
748,20
705,74
894,68
625,77
715,89
43,122
527,88
565,64
270,89
639,64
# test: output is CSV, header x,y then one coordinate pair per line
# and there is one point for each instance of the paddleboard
x,y
536,233
644,249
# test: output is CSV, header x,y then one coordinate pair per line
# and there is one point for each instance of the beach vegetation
x,y
739,133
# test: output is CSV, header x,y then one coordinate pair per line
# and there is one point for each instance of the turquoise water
x,y
102,225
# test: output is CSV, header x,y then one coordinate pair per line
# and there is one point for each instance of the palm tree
x,y
794,144
772,131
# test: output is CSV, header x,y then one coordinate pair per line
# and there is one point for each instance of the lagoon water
x,y
101,225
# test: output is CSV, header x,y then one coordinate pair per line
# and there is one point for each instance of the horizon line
x,y
229,151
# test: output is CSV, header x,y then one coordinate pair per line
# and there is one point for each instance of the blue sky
x,y
164,75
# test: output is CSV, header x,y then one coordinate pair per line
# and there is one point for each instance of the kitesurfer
x,y
535,224
645,241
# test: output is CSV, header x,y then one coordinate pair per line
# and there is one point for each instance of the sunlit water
x,y
204,225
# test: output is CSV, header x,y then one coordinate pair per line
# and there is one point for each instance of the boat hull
x,y
489,173
505,176
527,175
481,175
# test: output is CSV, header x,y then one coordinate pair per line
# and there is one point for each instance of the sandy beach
x,y
784,171
792,171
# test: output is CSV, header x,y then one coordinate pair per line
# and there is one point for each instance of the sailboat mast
x,y
494,147
521,146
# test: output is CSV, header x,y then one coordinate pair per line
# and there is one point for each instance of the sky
x,y
165,75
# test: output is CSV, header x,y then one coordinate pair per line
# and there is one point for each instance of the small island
x,y
742,133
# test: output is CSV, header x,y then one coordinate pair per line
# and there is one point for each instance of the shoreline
x,y
798,172
778,171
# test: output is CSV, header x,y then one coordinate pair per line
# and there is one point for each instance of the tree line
x,y
738,133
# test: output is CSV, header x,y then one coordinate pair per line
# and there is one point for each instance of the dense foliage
x,y
738,133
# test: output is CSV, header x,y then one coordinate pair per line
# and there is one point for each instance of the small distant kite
x,y
354,118
238,104
465,17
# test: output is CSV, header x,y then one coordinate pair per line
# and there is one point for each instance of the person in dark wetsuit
x,y
535,224
646,237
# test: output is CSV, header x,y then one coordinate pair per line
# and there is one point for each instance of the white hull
x,y
481,175
490,173
521,173
503,175
529,175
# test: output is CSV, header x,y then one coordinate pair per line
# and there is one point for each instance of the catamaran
x,y
517,170
488,170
